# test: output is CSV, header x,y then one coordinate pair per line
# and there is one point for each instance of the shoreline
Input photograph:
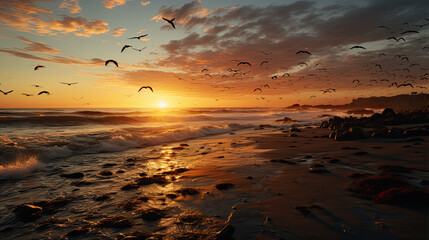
x,y
265,183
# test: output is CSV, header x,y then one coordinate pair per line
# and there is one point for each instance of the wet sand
x,y
258,184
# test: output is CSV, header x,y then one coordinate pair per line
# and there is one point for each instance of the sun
x,y
162,104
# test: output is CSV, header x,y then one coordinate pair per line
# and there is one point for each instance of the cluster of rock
x,y
351,128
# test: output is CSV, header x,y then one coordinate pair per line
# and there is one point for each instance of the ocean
x,y
113,147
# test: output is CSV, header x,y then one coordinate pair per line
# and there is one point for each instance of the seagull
x,y
141,36
303,63
208,75
357,47
111,61
306,52
145,87
69,83
404,85
240,63
38,66
263,63
170,22
140,49
397,40
205,69
37,86
6,93
26,94
286,74
125,47
42,92
256,89
409,32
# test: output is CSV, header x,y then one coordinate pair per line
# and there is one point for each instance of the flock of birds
x,y
380,69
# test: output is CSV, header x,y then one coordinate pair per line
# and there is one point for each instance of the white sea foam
x,y
23,165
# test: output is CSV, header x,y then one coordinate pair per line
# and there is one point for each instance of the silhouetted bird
x,y
148,87
409,32
111,61
170,22
256,89
286,74
38,66
44,92
404,85
6,93
263,63
140,49
27,95
69,83
243,63
125,47
205,69
357,47
306,52
303,63
36,86
141,36
273,77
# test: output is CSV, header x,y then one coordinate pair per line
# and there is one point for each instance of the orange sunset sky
x,y
74,38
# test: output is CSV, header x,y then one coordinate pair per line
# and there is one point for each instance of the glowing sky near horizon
x,y
73,38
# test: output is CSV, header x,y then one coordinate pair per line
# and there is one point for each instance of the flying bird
x,y
394,83
256,89
111,61
170,22
273,77
404,85
306,52
125,47
46,92
27,95
409,32
286,74
37,86
69,83
207,75
6,93
403,39
267,86
138,37
148,87
357,47
205,69
224,76
263,63
140,49
243,63
38,66
301,63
